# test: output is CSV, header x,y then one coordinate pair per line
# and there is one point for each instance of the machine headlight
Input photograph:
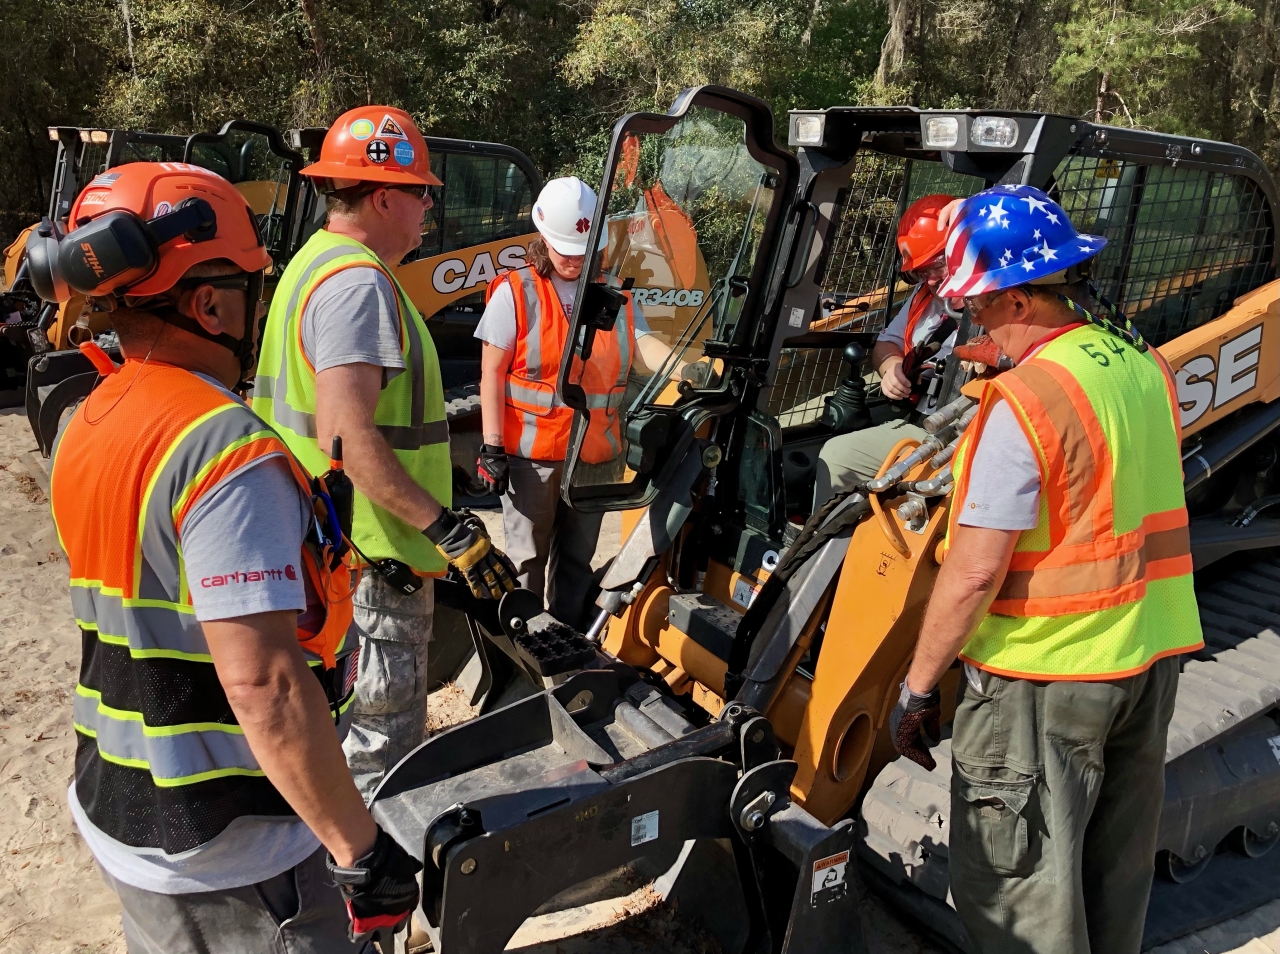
x,y
1000,132
807,130
941,132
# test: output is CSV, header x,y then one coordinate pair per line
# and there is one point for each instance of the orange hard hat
x,y
919,239
373,144
137,229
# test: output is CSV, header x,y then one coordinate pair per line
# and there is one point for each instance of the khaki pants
x,y
1056,792
849,459
389,710
550,543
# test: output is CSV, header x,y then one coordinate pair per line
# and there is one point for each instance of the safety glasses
x,y
977,306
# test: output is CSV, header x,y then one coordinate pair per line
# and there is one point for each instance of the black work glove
x,y
492,468
381,889
464,542
916,725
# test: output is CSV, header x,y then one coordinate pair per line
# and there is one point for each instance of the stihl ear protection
x,y
111,252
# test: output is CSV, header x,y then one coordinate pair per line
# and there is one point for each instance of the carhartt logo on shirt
x,y
249,576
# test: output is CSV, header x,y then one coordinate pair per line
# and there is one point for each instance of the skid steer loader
x,y
725,717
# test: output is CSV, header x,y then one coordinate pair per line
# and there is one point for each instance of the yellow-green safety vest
x,y
1102,587
410,413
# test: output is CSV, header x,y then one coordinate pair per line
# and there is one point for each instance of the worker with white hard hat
x,y
525,424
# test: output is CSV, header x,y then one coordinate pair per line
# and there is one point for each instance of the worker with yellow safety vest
x,y
346,353
1066,591
213,613
525,425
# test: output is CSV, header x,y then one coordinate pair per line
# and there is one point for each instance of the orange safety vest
x,y
1080,598
921,298
535,426
161,761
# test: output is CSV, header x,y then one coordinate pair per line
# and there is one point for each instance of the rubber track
x,y
906,813
462,401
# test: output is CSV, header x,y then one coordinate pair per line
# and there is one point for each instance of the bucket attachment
x,y
545,795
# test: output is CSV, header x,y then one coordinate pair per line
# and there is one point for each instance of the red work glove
x,y
982,350
493,469
381,889
916,725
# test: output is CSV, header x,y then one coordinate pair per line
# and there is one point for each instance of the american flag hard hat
x,y
1011,235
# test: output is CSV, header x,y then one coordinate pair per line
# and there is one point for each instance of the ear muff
x,y
111,252
42,262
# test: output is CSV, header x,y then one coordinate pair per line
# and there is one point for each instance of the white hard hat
x,y
563,214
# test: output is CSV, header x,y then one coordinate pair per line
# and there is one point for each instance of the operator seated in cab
x,y
920,335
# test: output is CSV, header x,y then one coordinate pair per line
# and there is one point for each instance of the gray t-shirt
x,y
352,318
1004,478
233,569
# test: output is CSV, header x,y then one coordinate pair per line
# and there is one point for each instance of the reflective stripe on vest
x,y
410,413
161,761
534,425
1102,586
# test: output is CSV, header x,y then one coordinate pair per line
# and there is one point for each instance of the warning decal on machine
x,y
828,873
645,828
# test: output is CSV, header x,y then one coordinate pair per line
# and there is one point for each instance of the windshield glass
x,y
685,217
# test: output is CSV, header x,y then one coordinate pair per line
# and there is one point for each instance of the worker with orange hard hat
x,y
346,353
920,336
209,777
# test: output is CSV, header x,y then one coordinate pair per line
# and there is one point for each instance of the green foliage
x,y
1141,58
552,76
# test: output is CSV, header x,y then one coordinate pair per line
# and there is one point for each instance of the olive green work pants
x,y
1056,791
847,460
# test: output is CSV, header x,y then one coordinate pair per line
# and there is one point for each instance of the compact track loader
x,y
724,719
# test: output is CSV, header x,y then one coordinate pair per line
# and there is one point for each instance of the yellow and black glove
x,y
462,539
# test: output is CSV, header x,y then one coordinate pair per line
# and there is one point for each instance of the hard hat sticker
x,y
390,128
377,151
362,129
404,153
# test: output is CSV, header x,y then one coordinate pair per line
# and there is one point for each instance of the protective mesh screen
x,y
483,199
858,274
1182,244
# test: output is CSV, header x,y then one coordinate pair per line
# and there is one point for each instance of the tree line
x,y
551,76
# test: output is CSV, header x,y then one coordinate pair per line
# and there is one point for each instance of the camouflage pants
x,y
389,711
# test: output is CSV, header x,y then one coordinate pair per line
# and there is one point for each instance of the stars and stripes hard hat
x,y
1012,235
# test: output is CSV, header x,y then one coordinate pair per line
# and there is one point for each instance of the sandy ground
x,y
51,899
